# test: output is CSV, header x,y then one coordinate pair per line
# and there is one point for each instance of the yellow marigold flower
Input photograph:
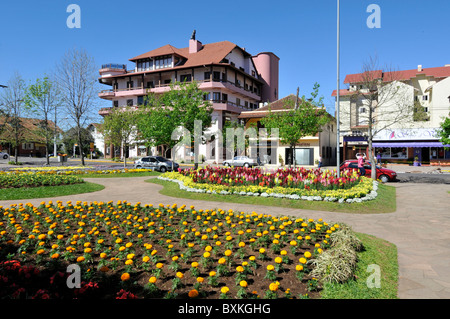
x,y
270,267
283,252
221,261
80,259
228,252
307,254
206,254
243,283
55,256
87,250
262,250
239,269
145,259
273,286
87,244
299,267
212,273
125,276
200,279
128,262
208,248
180,275
194,264
159,265
224,289
278,260
152,280
241,244
103,255
302,260
174,258
293,243
193,293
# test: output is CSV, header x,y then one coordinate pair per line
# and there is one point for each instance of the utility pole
x,y
338,152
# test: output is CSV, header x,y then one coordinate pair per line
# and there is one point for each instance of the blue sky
x,y
302,33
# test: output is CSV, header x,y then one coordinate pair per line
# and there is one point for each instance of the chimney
x,y
419,68
194,45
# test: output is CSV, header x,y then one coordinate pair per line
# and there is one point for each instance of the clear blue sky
x,y
302,33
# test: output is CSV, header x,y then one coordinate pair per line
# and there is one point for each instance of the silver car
x,y
4,155
244,161
157,163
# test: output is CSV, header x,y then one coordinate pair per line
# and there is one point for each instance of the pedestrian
x,y
362,170
379,158
320,160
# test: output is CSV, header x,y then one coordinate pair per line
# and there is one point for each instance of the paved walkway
x,y
420,228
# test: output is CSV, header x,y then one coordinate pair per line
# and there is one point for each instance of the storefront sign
x,y
406,134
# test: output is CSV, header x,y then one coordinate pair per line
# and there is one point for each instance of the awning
x,y
408,144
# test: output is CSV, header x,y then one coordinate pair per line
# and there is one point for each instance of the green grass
x,y
376,252
384,203
48,191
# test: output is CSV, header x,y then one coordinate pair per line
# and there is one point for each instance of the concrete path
x,y
420,228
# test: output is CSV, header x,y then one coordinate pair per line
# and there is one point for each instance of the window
x,y
224,97
424,97
28,146
130,84
115,103
216,76
150,85
362,110
207,75
140,100
216,96
206,96
238,101
130,102
186,78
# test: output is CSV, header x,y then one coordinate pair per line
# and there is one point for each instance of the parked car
x,y
383,174
4,155
157,163
244,161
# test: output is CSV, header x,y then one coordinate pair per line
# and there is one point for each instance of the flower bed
x,y
17,180
288,183
161,252
73,170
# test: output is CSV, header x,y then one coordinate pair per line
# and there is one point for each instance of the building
x,y
32,141
412,138
308,148
233,79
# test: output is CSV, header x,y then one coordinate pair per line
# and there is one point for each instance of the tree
x,y
297,120
76,78
444,133
180,107
71,137
387,100
42,99
13,109
119,126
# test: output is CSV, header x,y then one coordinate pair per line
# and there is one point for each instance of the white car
x,y
4,155
244,161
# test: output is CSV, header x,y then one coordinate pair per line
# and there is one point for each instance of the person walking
x,y
362,170
320,160
379,158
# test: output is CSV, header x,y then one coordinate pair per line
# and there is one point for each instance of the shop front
x,y
410,145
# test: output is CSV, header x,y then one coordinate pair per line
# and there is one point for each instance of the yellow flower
x,y
299,267
180,275
193,293
224,289
307,254
212,273
80,259
159,265
273,286
239,269
194,264
152,280
128,262
302,260
243,283
125,276
55,256
270,267
221,261
228,252
278,260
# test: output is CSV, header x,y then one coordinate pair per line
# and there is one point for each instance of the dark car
x,y
383,174
157,163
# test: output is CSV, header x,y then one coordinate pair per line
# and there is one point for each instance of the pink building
x,y
233,79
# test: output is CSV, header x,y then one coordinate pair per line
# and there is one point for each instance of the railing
x,y
114,66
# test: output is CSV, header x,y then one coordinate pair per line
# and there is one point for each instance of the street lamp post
x,y
338,152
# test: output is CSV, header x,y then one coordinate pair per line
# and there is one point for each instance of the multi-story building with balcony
x,y
232,79
412,137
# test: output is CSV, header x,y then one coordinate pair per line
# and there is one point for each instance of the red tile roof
x,y
437,72
343,92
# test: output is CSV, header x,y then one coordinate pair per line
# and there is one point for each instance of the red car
x,y
383,174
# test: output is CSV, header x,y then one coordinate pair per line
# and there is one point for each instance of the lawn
x,y
384,203
48,191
